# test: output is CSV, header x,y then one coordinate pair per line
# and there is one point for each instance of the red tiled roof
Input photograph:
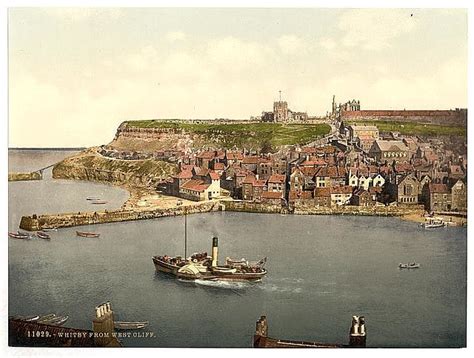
x,y
259,182
185,174
195,185
201,171
234,156
438,188
277,178
250,160
313,162
218,166
214,175
249,179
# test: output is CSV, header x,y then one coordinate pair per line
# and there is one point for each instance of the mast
x,y
185,236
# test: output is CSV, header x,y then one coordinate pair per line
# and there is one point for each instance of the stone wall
x,y
359,210
434,117
24,176
39,222
249,207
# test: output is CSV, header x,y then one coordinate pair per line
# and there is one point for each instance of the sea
x,y
322,270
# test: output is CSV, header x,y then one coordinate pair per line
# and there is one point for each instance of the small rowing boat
x,y
130,325
18,235
43,235
31,318
58,321
98,202
87,234
92,198
412,265
46,318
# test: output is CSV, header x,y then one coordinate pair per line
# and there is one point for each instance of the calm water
x,y
322,270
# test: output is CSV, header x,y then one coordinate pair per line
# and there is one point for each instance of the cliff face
x,y
151,135
91,166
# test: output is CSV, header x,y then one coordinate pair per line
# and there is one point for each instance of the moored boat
x,y
57,321
434,223
87,234
18,235
31,318
99,202
412,265
46,318
43,235
130,325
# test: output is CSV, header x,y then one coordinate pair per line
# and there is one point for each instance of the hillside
x,y
161,135
89,165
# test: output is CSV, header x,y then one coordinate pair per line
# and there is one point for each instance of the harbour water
x,y
322,270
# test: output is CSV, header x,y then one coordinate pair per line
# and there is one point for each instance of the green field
x,y
252,135
407,128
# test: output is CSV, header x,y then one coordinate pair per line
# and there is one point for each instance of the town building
x,y
389,151
439,197
459,196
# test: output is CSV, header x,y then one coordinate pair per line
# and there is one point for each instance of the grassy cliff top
x,y
407,128
254,135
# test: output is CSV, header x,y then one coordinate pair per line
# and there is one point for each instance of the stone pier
x,y
24,176
40,222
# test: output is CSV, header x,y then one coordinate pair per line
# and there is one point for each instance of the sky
x,y
76,73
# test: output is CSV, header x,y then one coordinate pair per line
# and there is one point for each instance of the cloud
x,y
291,44
328,43
174,36
374,29
78,14
221,76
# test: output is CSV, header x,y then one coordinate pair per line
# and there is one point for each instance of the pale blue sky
x,y
80,72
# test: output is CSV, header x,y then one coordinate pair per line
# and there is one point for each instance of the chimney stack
x,y
103,325
215,250
357,337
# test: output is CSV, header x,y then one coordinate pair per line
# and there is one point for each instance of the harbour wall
x,y
24,176
245,206
39,222
249,207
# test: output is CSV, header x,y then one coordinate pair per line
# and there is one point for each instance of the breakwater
x,y
40,222
360,210
24,176
244,206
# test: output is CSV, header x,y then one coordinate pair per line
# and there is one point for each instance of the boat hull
x,y
161,266
165,267
86,234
